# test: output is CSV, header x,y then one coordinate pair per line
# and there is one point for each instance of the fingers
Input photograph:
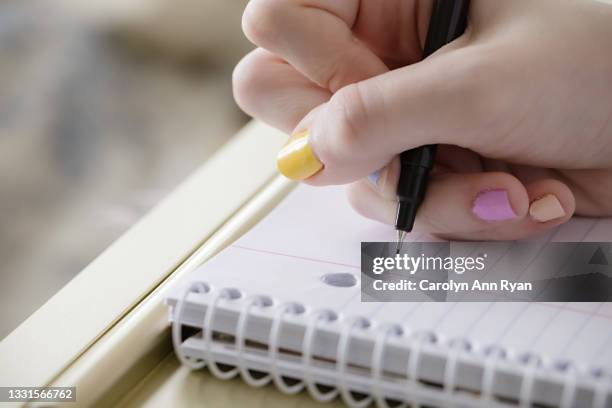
x,y
268,88
364,124
315,37
551,204
454,203
444,99
476,206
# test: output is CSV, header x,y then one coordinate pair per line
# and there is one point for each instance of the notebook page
x,y
314,232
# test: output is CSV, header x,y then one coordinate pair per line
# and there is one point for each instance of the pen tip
x,y
400,240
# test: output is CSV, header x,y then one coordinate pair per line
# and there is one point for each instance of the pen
x,y
448,21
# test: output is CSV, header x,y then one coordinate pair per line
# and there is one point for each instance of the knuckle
x,y
246,77
345,116
335,72
260,20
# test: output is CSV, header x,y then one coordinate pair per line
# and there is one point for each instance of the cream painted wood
x,y
115,284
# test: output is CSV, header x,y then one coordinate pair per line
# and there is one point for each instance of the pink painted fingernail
x,y
493,205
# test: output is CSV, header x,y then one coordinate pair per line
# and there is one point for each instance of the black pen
x,y
448,21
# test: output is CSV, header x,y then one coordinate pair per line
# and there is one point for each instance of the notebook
x,y
283,305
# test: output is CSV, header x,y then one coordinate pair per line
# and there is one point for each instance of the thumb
x,y
364,125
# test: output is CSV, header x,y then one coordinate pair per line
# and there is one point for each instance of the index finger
x,y
315,37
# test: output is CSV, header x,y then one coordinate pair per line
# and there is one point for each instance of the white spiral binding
x,y
526,392
287,308
412,372
309,334
450,368
487,399
208,329
341,361
601,391
378,355
197,287
259,301
492,356
568,395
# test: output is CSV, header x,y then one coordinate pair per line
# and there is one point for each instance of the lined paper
x,y
314,232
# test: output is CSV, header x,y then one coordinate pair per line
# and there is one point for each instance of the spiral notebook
x,y
283,305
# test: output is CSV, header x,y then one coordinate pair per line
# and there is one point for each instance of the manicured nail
x,y
546,208
493,205
296,160
374,177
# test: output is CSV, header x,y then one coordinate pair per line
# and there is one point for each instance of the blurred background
x,y
105,106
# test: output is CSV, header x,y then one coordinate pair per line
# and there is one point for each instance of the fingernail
x,y
374,177
296,160
493,205
546,208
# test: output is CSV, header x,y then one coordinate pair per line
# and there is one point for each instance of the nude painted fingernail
x,y
546,208
296,160
493,205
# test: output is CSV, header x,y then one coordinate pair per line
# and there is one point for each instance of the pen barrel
x,y
415,167
412,185
448,21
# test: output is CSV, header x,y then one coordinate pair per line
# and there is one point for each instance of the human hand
x,y
521,106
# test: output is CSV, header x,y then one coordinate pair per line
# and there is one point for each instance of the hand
x,y
521,105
